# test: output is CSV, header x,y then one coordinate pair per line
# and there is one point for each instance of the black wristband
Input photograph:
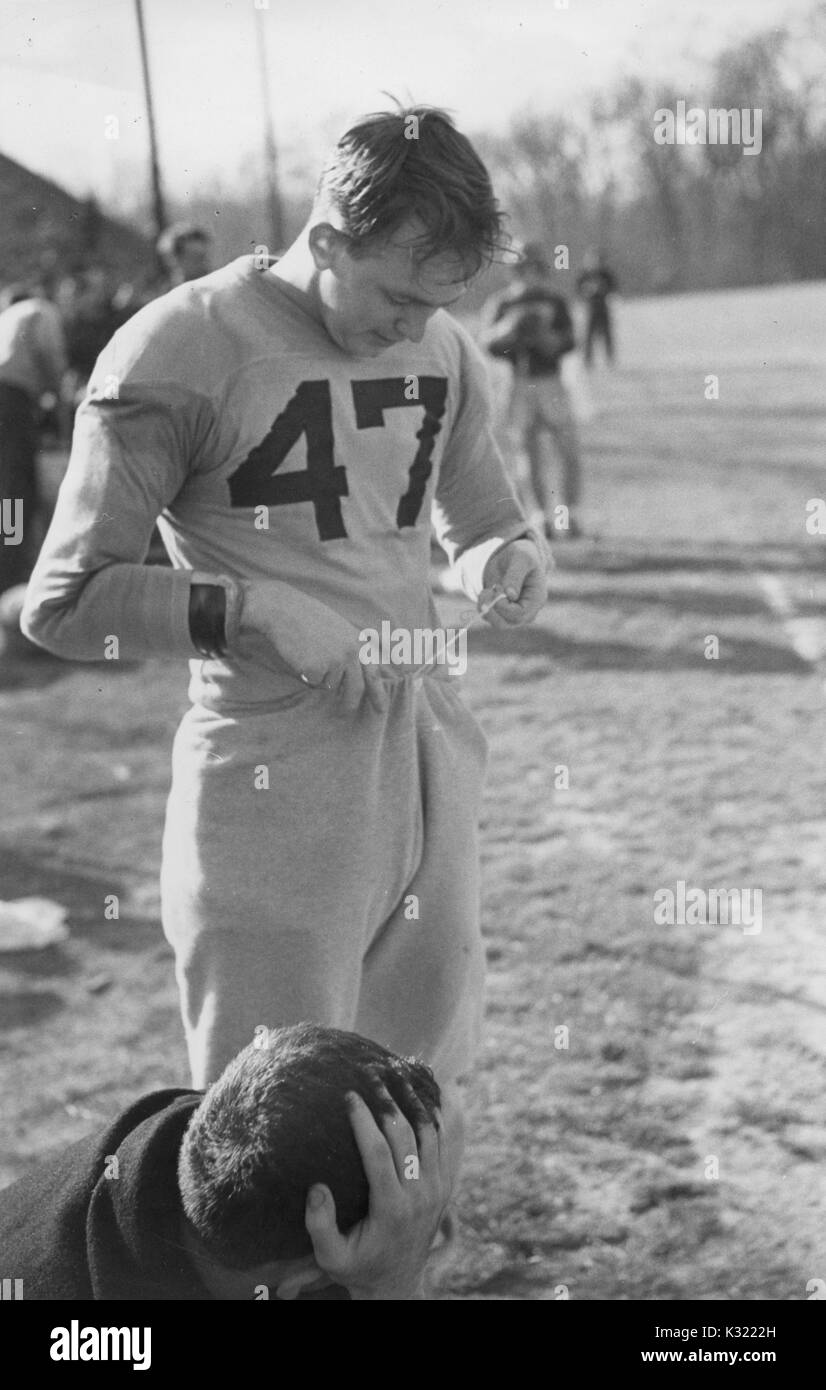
x,y
207,619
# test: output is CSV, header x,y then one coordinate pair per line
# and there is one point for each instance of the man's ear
x,y
325,244
303,1276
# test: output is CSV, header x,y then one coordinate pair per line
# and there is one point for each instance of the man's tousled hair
x,y
414,163
276,1122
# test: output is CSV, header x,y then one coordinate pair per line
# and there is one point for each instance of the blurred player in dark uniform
x,y
529,325
594,285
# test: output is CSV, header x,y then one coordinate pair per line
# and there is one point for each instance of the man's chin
x,y
369,346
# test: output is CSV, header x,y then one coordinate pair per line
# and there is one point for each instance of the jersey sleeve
x,y
475,510
131,453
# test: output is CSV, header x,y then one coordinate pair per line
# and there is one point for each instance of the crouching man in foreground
x,y
316,1166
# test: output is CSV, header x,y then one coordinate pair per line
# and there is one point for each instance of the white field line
x,y
807,636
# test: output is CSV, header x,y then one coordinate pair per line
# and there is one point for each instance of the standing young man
x,y
595,285
530,325
292,425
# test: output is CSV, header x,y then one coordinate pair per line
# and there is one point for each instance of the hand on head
x,y
383,1257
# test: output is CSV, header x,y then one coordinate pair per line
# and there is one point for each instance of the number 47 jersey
x,y
225,411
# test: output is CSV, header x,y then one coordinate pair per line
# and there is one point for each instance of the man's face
x,y
193,259
372,301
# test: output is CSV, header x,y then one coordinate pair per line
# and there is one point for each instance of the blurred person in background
x,y
594,286
92,311
92,308
529,325
186,251
32,365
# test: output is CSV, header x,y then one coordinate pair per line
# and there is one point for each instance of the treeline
x,y
684,216
666,217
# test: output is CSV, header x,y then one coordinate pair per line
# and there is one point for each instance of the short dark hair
x,y
174,238
276,1122
394,165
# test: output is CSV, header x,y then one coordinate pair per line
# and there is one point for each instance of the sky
x,y
67,67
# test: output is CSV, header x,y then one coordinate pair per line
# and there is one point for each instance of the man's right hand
x,y
318,646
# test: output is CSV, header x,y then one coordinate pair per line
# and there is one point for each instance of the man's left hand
x,y
519,571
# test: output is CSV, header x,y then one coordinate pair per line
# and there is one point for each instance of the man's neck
x,y
222,1283
297,273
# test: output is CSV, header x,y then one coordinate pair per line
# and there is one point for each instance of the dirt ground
x,y
674,1148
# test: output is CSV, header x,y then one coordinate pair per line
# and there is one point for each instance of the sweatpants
x,y
599,326
539,409
323,867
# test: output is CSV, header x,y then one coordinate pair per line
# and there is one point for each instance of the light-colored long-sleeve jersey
x,y
224,411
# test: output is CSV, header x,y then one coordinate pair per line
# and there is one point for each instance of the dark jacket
x,y
521,320
69,1231
100,1220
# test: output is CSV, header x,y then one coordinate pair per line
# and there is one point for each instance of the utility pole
x,y
158,205
270,153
